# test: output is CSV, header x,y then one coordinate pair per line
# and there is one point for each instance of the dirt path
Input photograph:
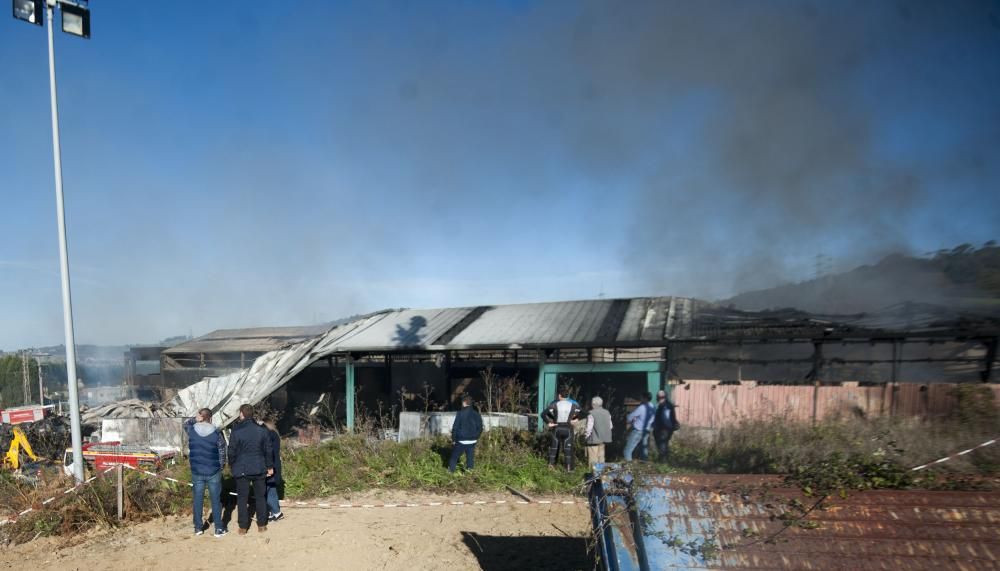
x,y
490,537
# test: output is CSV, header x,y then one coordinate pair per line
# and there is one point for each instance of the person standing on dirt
x,y
274,481
640,420
664,425
560,416
598,431
207,453
465,433
250,461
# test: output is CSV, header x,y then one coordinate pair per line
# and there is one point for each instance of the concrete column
x,y
349,390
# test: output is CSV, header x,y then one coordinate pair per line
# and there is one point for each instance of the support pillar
x,y
546,392
349,390
654,382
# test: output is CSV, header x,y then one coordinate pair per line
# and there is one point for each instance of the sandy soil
x,y
490,537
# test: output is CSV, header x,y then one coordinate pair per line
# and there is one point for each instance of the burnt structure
x,y
426,358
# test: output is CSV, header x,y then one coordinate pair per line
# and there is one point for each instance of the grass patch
x,y
353,463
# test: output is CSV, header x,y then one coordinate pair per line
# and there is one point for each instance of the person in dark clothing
x,y
250,461
207,453
465,433
560,416
274,481
664,425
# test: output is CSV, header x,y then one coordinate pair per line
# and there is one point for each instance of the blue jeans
x,y
637,440
214,484
272,498
469,450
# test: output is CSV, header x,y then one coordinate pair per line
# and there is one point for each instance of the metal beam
x,y
349,391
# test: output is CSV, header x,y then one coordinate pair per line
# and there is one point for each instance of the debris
x,y
519,493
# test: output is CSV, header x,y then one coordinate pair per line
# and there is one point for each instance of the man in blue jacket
x,y
207,453
465,433
250,461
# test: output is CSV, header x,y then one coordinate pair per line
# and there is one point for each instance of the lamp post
x,y
75,21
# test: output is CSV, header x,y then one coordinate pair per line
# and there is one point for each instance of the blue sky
x,y
248,166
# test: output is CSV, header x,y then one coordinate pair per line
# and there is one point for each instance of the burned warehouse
x,y
515,356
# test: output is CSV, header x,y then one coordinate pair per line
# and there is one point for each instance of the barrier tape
x,y
162,477
328,505
46,502
946,458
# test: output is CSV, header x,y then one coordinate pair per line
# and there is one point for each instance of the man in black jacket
x,y
274,482
465,433
250,461
664,425
560,416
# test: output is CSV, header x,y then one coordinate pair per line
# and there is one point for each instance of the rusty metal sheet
x,y
717,522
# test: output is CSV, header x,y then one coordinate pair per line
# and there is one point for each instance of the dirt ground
x,y
489,537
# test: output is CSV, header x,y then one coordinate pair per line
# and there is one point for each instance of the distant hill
x,y
964,278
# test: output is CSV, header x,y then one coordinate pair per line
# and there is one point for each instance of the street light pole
x,y
71,378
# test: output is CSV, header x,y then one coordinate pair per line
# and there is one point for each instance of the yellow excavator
x,y
18,443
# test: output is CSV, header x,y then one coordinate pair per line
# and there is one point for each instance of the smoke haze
x,y
284,169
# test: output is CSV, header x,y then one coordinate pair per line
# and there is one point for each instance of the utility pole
x,y
41,393
25,377
75,21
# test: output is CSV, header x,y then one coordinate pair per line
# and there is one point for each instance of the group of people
x,y
254,450
562,417
564,413
254,458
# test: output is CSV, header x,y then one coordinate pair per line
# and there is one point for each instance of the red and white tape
x,y
48,501
330,505
162,477
946,458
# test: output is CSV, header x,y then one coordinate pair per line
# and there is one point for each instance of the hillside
x,y
964,278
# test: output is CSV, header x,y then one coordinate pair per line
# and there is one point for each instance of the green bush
x,y
354,463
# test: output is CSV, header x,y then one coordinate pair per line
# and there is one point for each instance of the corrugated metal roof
x,y
254,339
718,522
536,324
643,321
405,329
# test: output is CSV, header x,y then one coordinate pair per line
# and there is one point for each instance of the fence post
x,y
121,494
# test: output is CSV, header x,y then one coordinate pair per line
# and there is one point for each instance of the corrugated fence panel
x,y
709,404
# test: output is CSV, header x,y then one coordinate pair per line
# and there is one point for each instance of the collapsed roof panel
x,y
254,339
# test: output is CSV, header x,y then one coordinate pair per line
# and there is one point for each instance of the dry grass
x,y
779,445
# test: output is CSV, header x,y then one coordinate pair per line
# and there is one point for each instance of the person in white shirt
x,y
640,421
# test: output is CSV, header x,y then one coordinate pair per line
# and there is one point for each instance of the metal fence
x,y
709,404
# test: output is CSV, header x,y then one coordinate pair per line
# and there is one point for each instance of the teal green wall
x,y
548,377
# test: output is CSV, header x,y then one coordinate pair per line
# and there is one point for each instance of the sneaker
x,y
199,532
221,532
276,517
261,528
242,531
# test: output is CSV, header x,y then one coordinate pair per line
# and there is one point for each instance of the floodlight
x,y
31,11
76,20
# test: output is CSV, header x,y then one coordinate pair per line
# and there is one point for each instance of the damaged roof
x,y
254,339
634,322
